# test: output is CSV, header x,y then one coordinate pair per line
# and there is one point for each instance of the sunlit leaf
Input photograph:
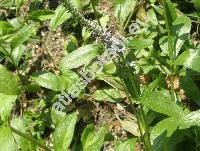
x,y
60,16
7,102
92,140
7,141
41,15
64,132
128,145
190,59
161,102
110,95
123,10
5,28
50,81
23,143
80,56
137,43
8,82
23,35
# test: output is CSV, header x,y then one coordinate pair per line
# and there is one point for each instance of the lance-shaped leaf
x,y
51,81
190,59
191,119
64,132
137,43
110,95
170,16
60,16
91,140
124,9
7,102
8,82
80,56
5,28
41,15
21,125
168,125
161,102
128,145
7,141
23,35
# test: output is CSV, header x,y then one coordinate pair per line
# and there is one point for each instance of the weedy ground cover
x,y
99,75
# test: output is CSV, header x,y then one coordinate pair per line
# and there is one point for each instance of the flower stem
x,y
31,139
96,13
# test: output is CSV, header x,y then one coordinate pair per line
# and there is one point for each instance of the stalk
x,y
31,139
134,91
171,45
137,98
96,15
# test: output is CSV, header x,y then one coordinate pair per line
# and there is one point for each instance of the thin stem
x,y
119,16
128,70
146,128
134,112
31,139
96,15
127,22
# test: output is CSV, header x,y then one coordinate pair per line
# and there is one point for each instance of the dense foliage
x,y
145,97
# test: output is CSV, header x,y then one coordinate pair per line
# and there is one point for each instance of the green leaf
x,y
190,59
128,145
151,17
41,15
191,89
191,119
5,28
63,134
23,35
197,5
147,91
8,82
161,102
127,74
169,125
85,34
80,56
152,1
7,102
23,143
95,2
119,1
32,87
115,82
60,16
7,141
181,26
170,16
57,117
91,140
17,54
50,81
19,3
110,95
137,43
7,3
124,10
130,126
